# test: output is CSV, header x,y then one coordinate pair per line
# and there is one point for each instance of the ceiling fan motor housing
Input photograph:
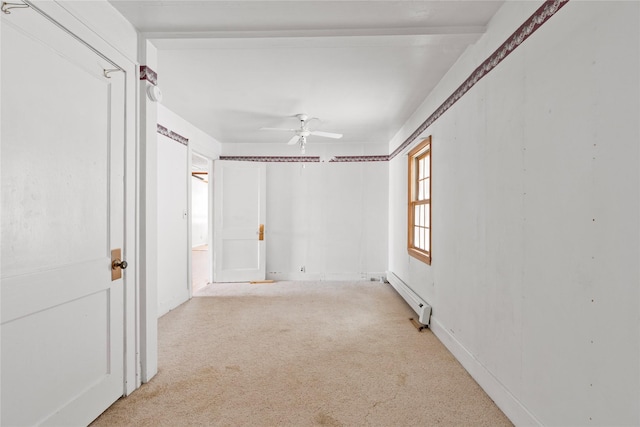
x,y
300,135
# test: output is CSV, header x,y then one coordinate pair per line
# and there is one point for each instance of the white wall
x,y
534,282
174,197
173,244
199,142
148,212
329,217
325,150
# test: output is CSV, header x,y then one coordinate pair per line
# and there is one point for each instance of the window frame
x,y
414,156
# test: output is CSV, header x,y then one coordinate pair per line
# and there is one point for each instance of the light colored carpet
x,y
199,267
302,354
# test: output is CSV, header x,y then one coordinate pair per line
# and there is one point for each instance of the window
x,y
419,224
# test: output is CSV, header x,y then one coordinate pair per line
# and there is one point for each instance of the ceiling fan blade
x,y
327,134
293,140
288,130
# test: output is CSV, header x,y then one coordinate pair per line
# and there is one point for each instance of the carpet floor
x,y
199,267
302,354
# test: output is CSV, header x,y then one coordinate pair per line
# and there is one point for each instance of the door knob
x,y
117,263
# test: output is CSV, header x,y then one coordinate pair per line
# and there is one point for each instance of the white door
x,y
239,221
62,174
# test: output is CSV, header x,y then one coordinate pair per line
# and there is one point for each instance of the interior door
x,y
239,221
62,175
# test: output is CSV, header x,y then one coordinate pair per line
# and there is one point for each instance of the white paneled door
x,y
62,174
239,221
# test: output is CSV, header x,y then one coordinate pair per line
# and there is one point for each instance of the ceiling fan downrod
x,y
303,143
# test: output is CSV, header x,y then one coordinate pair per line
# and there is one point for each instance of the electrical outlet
x,y
303,269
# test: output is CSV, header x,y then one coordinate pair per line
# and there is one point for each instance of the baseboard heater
x,y
422,309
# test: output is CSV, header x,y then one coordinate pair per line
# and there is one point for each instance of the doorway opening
x,y
200,251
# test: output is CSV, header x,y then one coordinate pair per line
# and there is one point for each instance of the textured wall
x,y
173,199
534,282
330,218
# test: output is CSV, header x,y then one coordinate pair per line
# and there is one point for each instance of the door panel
x,y
239,210
54,332
47,180
62,174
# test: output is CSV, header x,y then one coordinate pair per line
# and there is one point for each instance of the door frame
x,y
210,160
203,149
67,22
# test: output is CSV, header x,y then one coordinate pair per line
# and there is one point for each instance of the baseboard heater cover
x,y
420,306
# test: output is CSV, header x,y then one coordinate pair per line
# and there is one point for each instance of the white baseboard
x,y
291,276
507,402
175,302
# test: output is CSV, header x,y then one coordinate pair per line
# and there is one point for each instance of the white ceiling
x,y
362,67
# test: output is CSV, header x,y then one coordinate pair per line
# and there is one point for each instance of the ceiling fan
x,y
303,132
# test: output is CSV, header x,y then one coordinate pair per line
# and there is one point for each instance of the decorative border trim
x,y
149,75
535,21
347,159
273,159
306,159
172,135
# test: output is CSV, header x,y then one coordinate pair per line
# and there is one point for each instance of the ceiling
x,y
362,67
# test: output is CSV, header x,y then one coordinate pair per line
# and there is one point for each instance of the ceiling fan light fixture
x,y
303,132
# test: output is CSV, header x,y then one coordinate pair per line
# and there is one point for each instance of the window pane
x,y
426,239
416,237
420,169
425,215
426,167
416,215
427,194
421,190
